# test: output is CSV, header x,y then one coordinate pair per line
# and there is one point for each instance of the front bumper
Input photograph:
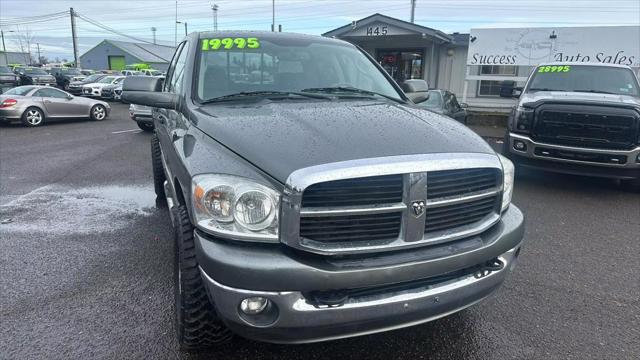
x,y
92,92
286,279
551,157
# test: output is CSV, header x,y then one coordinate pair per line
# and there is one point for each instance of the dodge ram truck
x,y
577,118
311,199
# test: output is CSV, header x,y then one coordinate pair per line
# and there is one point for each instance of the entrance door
x,y
117,63
402,64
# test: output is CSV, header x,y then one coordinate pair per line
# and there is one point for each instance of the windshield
x,y
68,71
32,71
107,80
4,70
584,78
285,65
434,101
20,90
92,78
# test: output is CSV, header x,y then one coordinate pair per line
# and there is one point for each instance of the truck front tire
x,y
197,324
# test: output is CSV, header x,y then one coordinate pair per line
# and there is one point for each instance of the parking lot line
x,y
126,131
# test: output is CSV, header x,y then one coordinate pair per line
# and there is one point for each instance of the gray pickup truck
x,y
577,118
311,200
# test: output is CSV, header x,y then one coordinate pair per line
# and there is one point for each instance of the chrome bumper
x,y
632,155
298,321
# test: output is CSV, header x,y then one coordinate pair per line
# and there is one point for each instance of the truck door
x,y
58,103
170,124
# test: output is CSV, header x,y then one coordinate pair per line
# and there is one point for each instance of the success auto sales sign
x,y
532,46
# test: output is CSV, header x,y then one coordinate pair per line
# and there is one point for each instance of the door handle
x,y
47,101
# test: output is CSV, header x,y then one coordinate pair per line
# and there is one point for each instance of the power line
x,y
107,28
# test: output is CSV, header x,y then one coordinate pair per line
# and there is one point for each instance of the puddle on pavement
x,y
66,210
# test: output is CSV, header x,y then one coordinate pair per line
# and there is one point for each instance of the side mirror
x,y
508,89
415,85
464,105
418,97
69,97
145,90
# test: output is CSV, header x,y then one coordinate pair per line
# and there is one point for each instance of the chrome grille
x,y
370,205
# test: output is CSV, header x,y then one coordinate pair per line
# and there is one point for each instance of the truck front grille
x,y
353,192
460,182
457,215
587,126
351,227
379,213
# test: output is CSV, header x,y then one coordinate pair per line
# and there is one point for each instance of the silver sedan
x,y
34,105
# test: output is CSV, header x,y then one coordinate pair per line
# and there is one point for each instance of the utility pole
x,y
214,7
413,10
74,37
153,30
175,36
273,15
39,58
4,49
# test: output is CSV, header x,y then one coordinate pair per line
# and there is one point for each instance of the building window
x,y
491,87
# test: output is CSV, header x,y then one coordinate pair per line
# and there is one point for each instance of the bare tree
x,y
23,41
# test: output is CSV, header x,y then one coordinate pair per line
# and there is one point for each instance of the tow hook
x,y
488,267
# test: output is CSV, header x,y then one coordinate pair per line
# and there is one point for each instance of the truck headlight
x,y
523,119
235,207
508,172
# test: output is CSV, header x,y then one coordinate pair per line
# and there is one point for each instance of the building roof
x,y
410,27
15,57
148,53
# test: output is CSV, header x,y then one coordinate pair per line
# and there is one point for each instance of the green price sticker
x,y
230,43
554,69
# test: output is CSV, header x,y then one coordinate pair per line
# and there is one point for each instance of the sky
x,y
136,18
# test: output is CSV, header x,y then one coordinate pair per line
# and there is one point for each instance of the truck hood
x,y
534,98
280,137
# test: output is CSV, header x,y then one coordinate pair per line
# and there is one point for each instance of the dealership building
x,y
473,66
115,55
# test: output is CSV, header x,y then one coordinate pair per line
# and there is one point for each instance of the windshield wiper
x,y
595,91
269,93
348,89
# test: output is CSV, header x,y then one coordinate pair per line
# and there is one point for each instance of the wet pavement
x,y
86,264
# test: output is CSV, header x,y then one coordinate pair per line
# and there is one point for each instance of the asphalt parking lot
x,y
86,264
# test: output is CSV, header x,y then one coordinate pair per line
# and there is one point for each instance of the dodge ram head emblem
x,y
418,207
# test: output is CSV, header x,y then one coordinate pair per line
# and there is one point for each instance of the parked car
x,y
34,105
75,87
311,208
137,67
107,91
95,89
34,76
65,76
577,118
151,72
142,116
8,79
87,72
117,93
445,102
130,72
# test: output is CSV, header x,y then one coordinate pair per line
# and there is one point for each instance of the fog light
x,y
254,305
519,145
